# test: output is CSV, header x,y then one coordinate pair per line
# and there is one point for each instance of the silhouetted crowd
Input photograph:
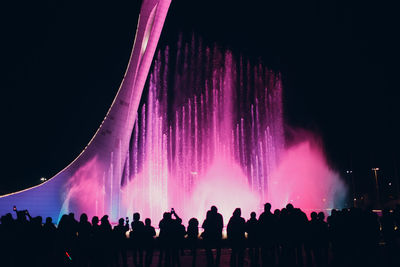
x,y
286,237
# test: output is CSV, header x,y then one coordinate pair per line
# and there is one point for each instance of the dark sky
x,y
62,63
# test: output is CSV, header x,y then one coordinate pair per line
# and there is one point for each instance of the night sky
x,y
63,61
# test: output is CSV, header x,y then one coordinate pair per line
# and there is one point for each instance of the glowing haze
x,y
304,178
209,131
218,141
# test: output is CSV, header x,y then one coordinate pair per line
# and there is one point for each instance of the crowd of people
x,y
286,237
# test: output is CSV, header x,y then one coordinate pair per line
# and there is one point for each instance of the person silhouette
x,y
49,239
148,242
169,231
120,242
267,225
323,238
105,234
178,233
95,242
35,253
193,238
212,235
252,229
136,236
9,242
163,239
49,227
236,237
84,229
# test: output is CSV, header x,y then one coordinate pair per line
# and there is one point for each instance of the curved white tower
x,y
97,172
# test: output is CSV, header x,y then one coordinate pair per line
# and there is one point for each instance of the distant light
x,y
69,257
390,184
324,199
193,173
355,199
375,169
349,171
43,179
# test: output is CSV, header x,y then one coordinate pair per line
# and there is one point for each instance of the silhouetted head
x,y
237,212
165,215
277,212
95,220
313,215
104,219
253,215
21,215
284,212
83,218
49,220
208,214
289,207
136,216
121,221
7,219
321,216
267,207
39,220
71,215
147,222
63,221
194,222
214,209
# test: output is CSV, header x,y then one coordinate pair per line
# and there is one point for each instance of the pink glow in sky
x,y
304,178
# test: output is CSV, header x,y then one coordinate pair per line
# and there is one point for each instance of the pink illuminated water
x,y
304,178
209,131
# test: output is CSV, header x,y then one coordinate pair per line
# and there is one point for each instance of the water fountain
x,y
216,141
207,130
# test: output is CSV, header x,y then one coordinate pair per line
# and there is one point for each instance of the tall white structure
x,y
92,181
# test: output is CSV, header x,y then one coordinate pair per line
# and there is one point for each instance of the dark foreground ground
x,y
383,259
186,259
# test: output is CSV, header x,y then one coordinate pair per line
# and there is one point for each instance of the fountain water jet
x,y
208,131
221,134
